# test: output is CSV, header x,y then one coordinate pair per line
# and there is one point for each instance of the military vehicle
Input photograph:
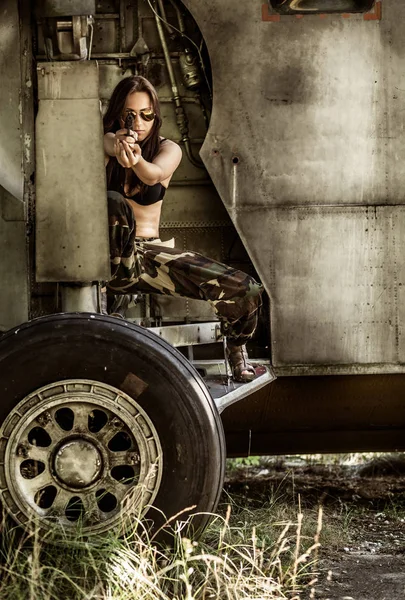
x,y
290,116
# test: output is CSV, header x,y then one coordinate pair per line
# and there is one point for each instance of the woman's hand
x,y
126,150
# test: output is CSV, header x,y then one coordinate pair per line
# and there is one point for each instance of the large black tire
x,y
117,353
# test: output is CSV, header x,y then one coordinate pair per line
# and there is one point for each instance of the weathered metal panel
x,y
336,277
11,177
307,132
191,206
13,262
13,253
311,107
71,217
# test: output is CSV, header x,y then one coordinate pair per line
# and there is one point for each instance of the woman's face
x,y
135,103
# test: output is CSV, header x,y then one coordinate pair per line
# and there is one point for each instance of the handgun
x,y
129,122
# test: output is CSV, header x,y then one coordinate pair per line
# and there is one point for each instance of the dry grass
x,y
256,548
272,559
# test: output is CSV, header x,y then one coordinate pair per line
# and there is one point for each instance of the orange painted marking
x,y
266,16
376,15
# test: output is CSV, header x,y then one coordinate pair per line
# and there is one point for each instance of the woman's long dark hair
x,y
150,146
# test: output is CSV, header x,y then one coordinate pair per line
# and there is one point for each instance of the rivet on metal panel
x,y
235,160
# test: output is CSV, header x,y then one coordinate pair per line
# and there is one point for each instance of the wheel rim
x,y
79,452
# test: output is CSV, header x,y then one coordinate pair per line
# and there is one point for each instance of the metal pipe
x,y
203,110
194,161
166,53
185,100
91,38
79,298
180,19
147,319
122,26
181,117
162,10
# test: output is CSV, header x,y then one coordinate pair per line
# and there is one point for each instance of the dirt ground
x,y
364,508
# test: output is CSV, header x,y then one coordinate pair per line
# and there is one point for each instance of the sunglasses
x,y
146,114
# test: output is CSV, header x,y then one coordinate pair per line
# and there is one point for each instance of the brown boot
x,y
242,370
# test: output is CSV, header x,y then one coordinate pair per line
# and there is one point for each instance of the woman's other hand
x,y
122,134
127,153
111,148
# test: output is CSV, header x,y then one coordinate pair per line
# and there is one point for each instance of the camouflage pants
x,y
139,266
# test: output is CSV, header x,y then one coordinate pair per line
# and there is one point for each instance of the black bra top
x,y
153,194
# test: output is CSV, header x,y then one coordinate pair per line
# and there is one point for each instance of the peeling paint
x,y
27,147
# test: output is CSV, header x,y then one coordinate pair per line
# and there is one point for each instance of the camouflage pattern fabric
x,y
147,267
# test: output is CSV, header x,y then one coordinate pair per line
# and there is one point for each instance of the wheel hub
x,y
79,452
78,463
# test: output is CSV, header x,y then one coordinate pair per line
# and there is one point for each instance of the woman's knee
x,y
116,202
248,287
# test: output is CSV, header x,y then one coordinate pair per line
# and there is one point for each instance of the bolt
x,y
44,419
22,451
116,422
134,458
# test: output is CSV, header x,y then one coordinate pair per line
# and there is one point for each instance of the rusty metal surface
x,y
306,134
70,176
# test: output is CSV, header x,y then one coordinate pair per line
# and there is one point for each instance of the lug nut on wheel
x,y
22,450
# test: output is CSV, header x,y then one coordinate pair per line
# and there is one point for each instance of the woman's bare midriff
x,y
147,218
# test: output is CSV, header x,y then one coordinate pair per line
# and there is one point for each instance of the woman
x,y
139,169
